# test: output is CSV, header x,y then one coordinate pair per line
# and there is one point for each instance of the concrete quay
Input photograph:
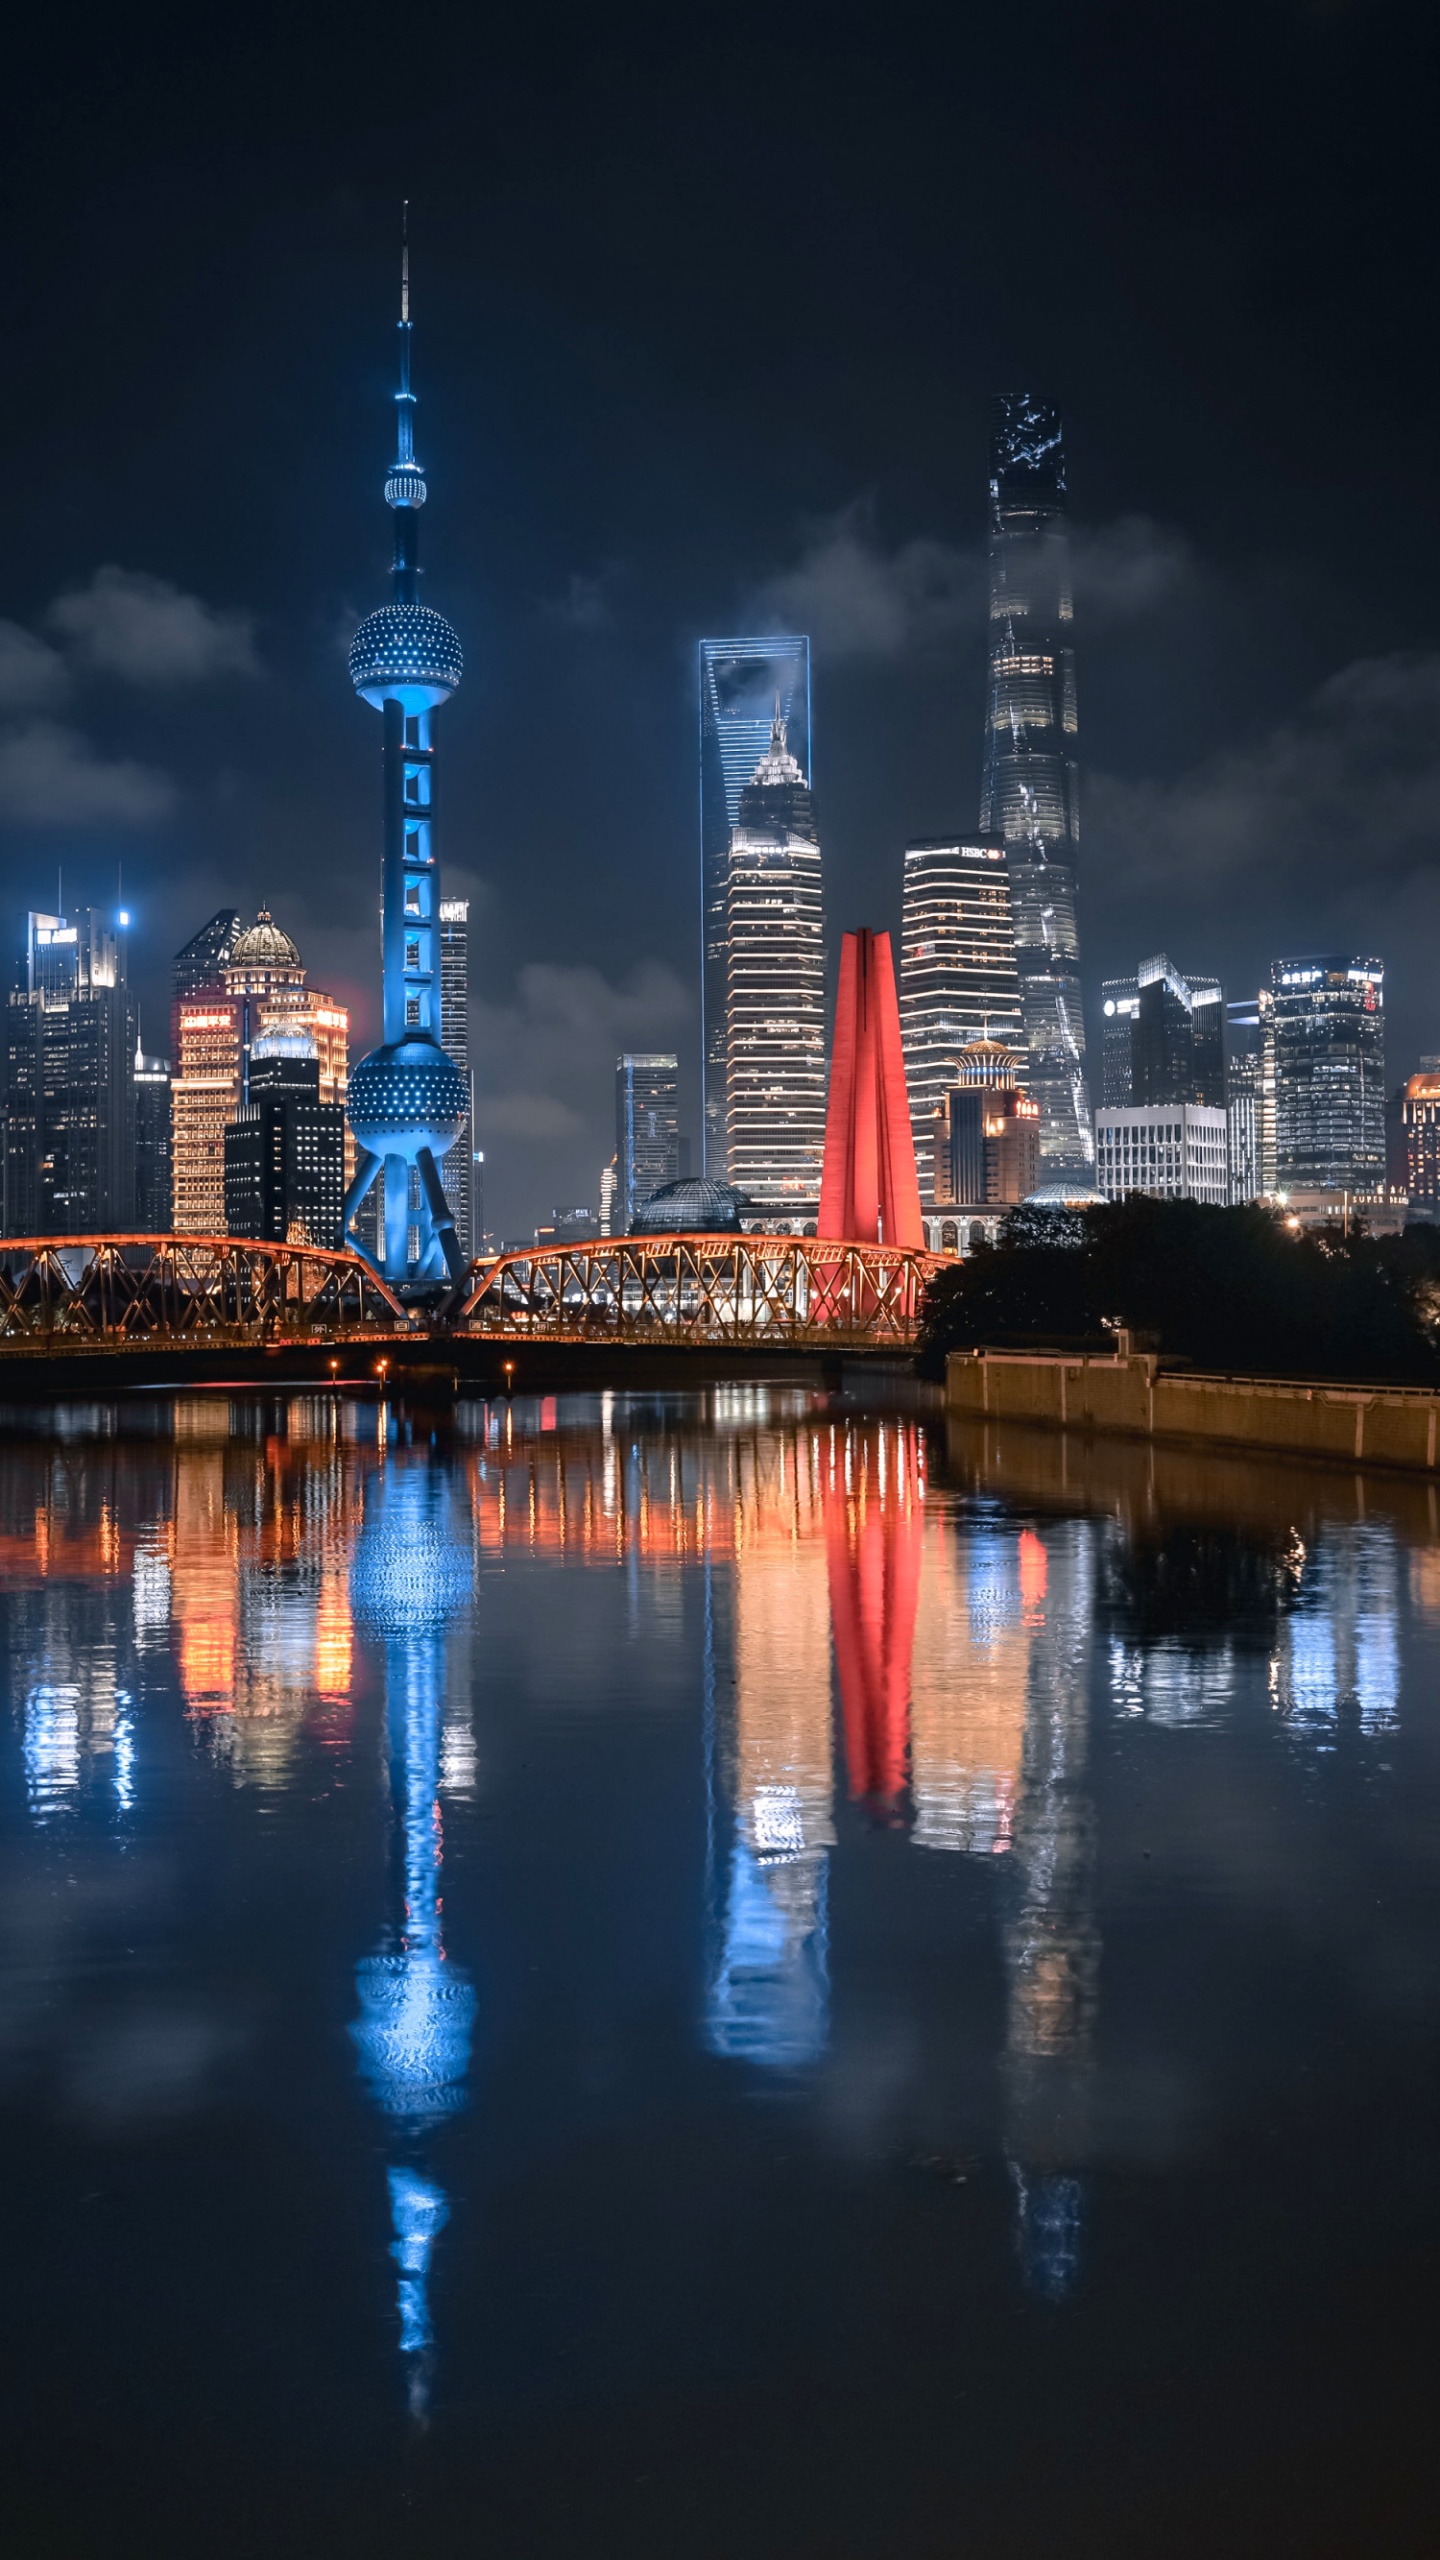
x,y
1131,1394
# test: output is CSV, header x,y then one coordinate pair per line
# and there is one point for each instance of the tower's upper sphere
x,y
405,486
405,653
406,1096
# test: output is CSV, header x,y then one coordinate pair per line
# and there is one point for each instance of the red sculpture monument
x,y
869,1192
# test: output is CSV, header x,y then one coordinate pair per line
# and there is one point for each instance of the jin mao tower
x,y
1029,797
408,1100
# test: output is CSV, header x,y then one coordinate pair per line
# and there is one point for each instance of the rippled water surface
x,y
718,1976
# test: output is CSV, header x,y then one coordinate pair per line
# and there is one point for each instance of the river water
x,y
722,1975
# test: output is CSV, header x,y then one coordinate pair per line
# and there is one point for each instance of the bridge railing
x,y
110,1291
749,1289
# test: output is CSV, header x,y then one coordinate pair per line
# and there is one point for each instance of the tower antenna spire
x,y
405,264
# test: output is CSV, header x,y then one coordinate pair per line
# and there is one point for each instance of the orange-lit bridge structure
x,y
219,1305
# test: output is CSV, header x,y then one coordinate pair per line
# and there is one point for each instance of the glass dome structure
x,y
1065,1195
690,1207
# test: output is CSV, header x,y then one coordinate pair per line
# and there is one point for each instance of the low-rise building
x,y
1168,1150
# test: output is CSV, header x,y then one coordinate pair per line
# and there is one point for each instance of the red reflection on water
x,y
875,1527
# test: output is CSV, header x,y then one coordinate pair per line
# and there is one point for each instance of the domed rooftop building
x,y
691,1207
1065,1195
263,959
987,1062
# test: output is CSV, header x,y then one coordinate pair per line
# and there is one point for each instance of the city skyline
x,y
1246,630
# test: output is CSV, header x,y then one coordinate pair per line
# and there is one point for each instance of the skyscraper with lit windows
x,y
647,1125
744,685
775,994
957,972
1030,796
67,1075
459,1176
1326,1020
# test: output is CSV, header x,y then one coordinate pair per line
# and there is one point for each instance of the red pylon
x,y
869,1192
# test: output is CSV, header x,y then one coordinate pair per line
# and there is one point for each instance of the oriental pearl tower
x,y
407,1100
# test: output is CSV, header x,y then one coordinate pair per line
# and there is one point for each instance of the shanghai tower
x,y
1029,796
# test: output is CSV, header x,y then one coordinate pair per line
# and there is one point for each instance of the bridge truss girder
x,y
110,1291
747,1289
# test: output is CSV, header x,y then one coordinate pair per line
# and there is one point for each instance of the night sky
x,y
709,307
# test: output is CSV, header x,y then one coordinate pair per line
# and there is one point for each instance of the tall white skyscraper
x,y
958,981
775,994
455,1041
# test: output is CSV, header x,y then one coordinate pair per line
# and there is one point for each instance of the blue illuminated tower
x,y
408,1101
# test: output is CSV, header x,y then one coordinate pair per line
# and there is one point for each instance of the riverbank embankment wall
x,y
1131,1393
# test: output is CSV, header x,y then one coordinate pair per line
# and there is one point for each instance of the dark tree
x,y
1233,1289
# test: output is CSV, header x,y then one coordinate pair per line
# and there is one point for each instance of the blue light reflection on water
x,y
412,1576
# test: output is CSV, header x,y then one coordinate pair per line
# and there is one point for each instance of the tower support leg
x,y
397,1220
441,1218
366,1168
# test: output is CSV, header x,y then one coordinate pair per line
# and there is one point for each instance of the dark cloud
x,y
859,598
145,631
583,606
1348,790
545,1067
33,676
51,776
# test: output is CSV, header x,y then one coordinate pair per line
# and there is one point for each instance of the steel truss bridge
x,y
107,1293
64,1295
759,1290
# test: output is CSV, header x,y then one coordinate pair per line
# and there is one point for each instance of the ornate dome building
x,y
263,956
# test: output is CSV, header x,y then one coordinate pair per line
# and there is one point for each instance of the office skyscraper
x,y
154,1203
742,684
1164,1039
957,972
647,1126
1243,1114
459,1174
1029,796
1326,1020
284,1165
775,994
69,1082
199,969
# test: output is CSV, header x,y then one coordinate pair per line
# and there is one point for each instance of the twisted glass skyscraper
x,y
1029,796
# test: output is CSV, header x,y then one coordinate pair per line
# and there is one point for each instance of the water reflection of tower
x,y
412,1577
770,1776
1052,1947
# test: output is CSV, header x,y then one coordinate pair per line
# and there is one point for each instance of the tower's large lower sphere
x,y
406,651
406,1096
